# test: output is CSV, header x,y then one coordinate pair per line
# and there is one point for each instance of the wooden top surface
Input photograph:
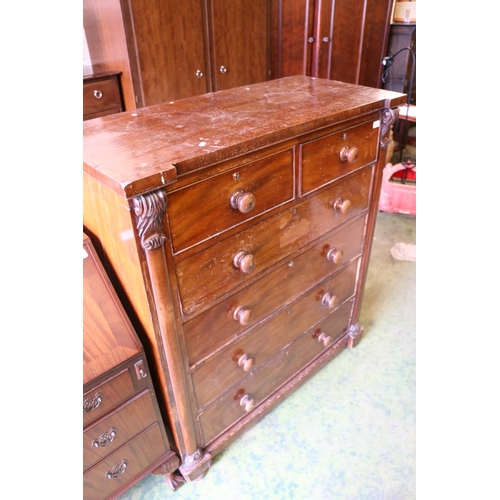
x,y
141,150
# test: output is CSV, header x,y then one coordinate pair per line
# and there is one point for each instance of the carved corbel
x,y
389,116
149,209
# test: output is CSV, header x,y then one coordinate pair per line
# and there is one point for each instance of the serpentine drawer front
x,y
237,227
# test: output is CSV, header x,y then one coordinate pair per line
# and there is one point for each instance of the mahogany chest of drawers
x,y
237,228
124,437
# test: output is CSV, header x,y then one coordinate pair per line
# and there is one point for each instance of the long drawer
x,y
262,384
235,261
233,364
202,210
330,157
114,430
123,465
246,308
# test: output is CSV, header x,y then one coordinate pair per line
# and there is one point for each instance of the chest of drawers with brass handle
x,y
124,436
238,226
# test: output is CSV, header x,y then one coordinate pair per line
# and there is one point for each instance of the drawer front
x,y
327,158
103,398
124,465
100,96
111,432
246,308
209,274
200,211
234,363
261,385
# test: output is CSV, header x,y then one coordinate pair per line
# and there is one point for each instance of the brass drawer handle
x,y
242,315
105,438
244,261
243,201
90,404
117,470
349,154
342,206
97,94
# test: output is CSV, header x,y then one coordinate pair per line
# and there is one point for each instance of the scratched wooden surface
x,y
136,151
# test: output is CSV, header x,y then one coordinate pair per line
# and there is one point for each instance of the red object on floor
x,y
395,196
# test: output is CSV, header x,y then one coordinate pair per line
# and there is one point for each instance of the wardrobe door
x,y
239,42
292,37
167,38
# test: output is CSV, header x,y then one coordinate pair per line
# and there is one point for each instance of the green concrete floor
x,y
349,432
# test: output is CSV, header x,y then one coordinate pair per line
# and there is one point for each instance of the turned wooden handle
x,y
244,261
334,255
349,154
246,362
324,339
329,300
243,201
342,206
243,315
247,402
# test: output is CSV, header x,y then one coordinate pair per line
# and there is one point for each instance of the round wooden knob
x,y
349,154
243,201
342,206
242,315
246,362
334,255
324,339
329,300
247,402
244,261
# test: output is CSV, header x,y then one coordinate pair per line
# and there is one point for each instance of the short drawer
x,y
108,434
325,159
124,465
246,308
212,272
101,95
237,403
106,396
231,365
202,210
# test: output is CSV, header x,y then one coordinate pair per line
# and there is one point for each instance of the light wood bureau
x,y
237,227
